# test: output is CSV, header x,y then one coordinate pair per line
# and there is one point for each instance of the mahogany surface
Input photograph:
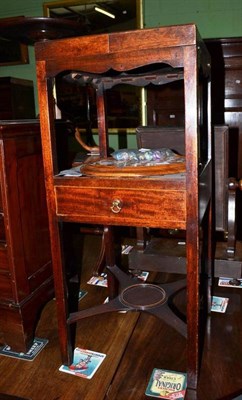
x,y
26,280
88,199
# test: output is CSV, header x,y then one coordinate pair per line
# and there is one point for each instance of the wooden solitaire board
x,y
99,169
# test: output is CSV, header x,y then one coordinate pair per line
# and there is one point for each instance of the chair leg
x,y
101,262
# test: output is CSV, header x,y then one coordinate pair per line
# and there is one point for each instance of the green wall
x,y
27,8
214,18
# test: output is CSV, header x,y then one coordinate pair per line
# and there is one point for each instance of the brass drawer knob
x,y
116,206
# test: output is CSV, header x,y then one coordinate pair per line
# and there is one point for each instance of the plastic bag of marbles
x,y
144,155
126,155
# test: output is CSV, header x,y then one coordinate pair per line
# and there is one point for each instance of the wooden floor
x,y
135,344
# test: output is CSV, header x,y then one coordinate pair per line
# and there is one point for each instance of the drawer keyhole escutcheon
x,y
116,206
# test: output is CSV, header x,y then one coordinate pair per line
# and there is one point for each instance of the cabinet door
x,y
25,214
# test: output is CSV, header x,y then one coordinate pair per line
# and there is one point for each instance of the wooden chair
x,y
170,245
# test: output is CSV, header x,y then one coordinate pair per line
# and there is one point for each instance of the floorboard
x,y
135,344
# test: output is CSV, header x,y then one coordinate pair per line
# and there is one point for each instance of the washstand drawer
x,y
134,207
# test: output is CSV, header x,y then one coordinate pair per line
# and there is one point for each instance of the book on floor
x,y
166,384
230,282
85,363
219,304
35,349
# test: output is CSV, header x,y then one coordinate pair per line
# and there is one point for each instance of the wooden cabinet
x,y
226,100
26,282
180,201
226,64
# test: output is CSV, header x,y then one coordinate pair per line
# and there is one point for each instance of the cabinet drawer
x,y
233,87
155,208
233,104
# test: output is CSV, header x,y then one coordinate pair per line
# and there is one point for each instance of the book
x,y
166,384
230,282
219,304
85,363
